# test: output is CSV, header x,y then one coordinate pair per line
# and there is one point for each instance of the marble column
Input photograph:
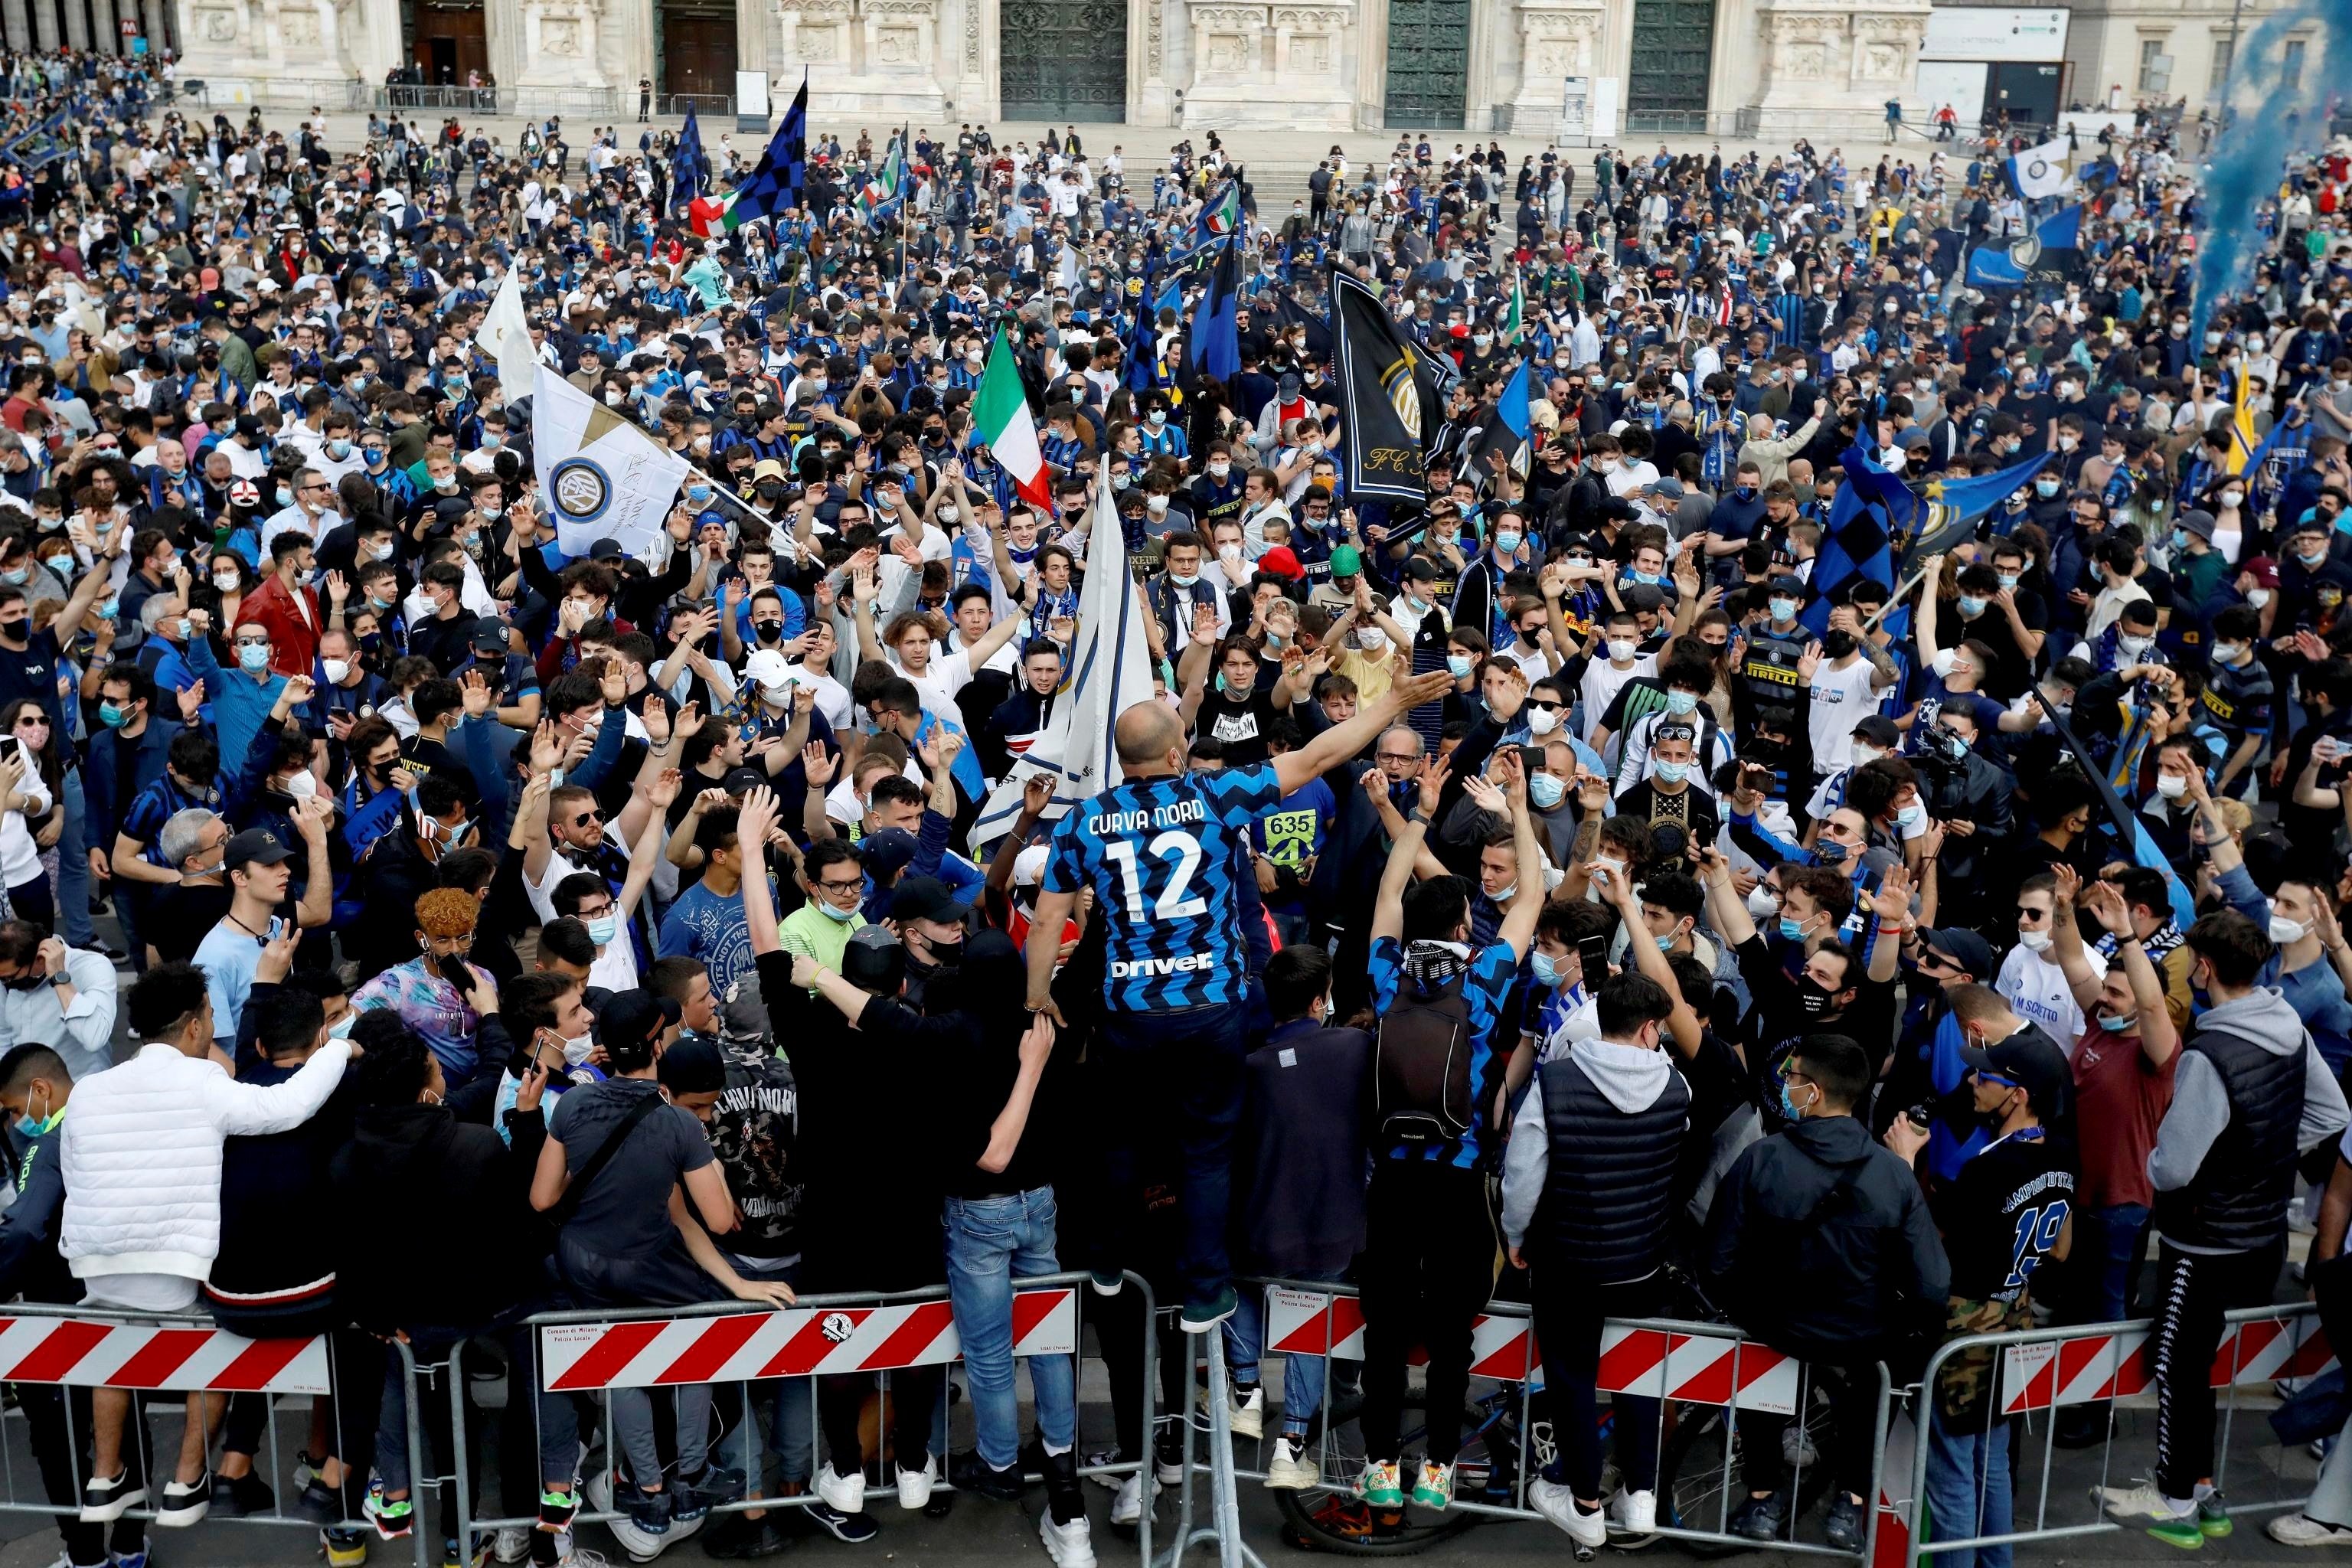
x,y
106,38
976,50
16,23
78,24
44,24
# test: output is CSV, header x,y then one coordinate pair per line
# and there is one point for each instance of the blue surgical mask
x,y
835,912
1784,610
1971,604
1791,929
112,716
1912,816
341,1029
18,577
284,496
1546,972
1545,791
602,929
253,656
1507,541
1459,665
1681,703
698,494
1673,773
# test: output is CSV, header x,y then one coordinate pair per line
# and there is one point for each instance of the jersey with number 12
x,y
1162,856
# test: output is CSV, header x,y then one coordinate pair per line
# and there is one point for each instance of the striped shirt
x,y
1485,989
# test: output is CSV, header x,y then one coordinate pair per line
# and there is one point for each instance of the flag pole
x,y
1895,598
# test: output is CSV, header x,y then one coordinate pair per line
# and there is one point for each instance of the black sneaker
x,y
968,1472
853,1528
185,1505
706,1490
650,1511
246,1494
320,1503
1762,1518
737,1537
1842,1528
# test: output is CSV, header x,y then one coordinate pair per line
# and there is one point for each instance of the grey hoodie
x,y
1630,1075
2201,1106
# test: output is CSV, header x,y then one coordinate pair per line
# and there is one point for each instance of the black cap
x,y
256,846
2030,1059
450,511
1420,569
924,899
875,961
693,1066
1879,731
605,550
742,781
632,1020
490,636
1961,947
887,853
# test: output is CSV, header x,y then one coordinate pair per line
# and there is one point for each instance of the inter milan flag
x,y
1951,508
689,165
1215,347
1871,505
1379,398
1288,313
770,188
2129,827
2053,253
39,148
1142,349
1508,430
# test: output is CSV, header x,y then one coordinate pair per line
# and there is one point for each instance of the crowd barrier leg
x,y
1224,1526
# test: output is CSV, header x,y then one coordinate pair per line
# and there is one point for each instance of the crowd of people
x,y
1581,884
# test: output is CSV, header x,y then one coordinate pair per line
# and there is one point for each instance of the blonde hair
x,y
445,912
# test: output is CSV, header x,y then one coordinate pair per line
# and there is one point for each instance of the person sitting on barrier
x,y
477,1271
1588,1194
35,1087
1819,1202
1429,1257
1307,1123
627,1239
143,1159
867,1223
2252,1093
2010,1208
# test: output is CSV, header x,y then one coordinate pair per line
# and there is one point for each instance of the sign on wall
x,y
1995,33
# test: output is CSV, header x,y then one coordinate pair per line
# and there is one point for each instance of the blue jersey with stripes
x,y
1485,989
1160,855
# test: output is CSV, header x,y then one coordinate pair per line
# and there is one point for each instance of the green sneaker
x,y
1435,1488
1382,1485
2175,1524
2212,1516
1200,1317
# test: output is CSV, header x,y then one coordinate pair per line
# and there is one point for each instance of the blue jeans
x,y
73,870
2116,1256
1303,1376
792,1430
1190,1061
1968,1486
992,1242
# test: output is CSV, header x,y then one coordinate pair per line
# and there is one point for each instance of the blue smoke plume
x,y
2270,120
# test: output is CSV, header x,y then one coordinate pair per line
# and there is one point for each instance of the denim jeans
x,y
73,870
1303,1376
792,1428
1968,1486
1191,1062
555,1432
992,1242
2120,1248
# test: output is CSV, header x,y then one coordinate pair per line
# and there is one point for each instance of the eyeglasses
x,y
1402,758
825,885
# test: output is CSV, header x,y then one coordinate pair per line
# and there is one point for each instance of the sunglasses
x,y
585,817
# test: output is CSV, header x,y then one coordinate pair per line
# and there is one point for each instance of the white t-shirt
x,y
1841,700
1603,680
2037,992
20,857
947,674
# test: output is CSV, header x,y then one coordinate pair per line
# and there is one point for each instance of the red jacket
x,y
293,634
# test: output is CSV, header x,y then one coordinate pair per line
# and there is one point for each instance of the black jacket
x,y
1815,1275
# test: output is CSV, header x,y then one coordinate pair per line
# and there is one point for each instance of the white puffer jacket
x,y
142,1155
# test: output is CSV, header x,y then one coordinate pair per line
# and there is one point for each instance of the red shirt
x,y
291,618
2121,1099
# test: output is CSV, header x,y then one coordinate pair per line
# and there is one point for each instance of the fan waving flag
x,y
1380,412
2053,253
772,187
1954,507
1221,214
1508,430
1288,313
1858,543
1002,423
880,195
2040,171
1142,353
689,165
1215,349
1514,319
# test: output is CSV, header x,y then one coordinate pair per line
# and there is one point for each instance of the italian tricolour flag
x,y
1000,419
710,218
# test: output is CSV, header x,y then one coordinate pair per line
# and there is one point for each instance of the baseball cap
x,y
2030,1058
1668,487
923,898
605,550
1029,866
490,636
1643,596
692,1066
742,781
1420,568
1347,560
630,1020
875,961
1282,563
766,668
1960,947
1912,438
2264,571
887,853
256,846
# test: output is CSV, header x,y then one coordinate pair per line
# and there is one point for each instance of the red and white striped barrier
x,y
2036,1376
84,1353
1700,1369
652,1352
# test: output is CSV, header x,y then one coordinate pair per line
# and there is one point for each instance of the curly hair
x,y
446,912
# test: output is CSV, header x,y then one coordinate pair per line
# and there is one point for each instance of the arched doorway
x,y
447,39
1063,59
1429,65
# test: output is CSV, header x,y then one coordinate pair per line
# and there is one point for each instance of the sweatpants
x,y
2194,1290
1428,1269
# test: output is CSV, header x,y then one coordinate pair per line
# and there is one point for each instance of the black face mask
x,y
945,954
768,631
1812,999
1837,645
26,982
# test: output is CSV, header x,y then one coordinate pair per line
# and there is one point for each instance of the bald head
x,y
1145,734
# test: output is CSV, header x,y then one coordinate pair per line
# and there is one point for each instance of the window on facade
x,y
2154,76
2291,67
2225,49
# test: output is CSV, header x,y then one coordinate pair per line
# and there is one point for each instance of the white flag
x,y
1109,671
2041,171
506,337
602,476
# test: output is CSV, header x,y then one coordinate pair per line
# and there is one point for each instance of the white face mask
x,y
2033,941
1761,904
579,1048
1865,755
301,785
1622,649
2258,597
335,669
1542,721
2171,786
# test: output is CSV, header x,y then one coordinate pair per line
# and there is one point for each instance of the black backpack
x,y
1423,1052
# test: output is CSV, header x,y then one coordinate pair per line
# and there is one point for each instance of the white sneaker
x,y
512,1544
1248,1411
1558,1504
1292,1467
2302,1530
846,1493
583,1557
1070,1545
914,1486
1633,1513
1127,1504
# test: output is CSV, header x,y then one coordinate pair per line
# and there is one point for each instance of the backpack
x,y
1422,1070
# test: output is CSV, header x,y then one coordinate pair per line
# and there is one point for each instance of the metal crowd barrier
x,y
592,1353
77,1349
1703,1374
2046,1370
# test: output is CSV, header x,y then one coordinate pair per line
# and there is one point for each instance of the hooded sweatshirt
x,y
2201,1103
1631,1078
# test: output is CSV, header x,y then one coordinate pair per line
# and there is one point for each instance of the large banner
x,y
602,476
1380,418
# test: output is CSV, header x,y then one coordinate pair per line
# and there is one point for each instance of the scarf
x,y
2159,944
1430,965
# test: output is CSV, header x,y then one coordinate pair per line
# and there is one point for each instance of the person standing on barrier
x,y
1818,1203
142,1158
1306,1136
35,1087
2251,1094
1587,1188
2010,1208
1159,850
1429,1252
2123,1071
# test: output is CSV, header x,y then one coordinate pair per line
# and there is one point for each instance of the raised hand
x,y
546,747
758,815
1808,661
663,792
1433,774
477,694
299,689
817,761
690,719
1486,796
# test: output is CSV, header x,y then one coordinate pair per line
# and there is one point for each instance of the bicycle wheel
x,y
1331,1518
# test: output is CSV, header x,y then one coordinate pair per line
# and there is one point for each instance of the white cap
x,y
1029,867
766,669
